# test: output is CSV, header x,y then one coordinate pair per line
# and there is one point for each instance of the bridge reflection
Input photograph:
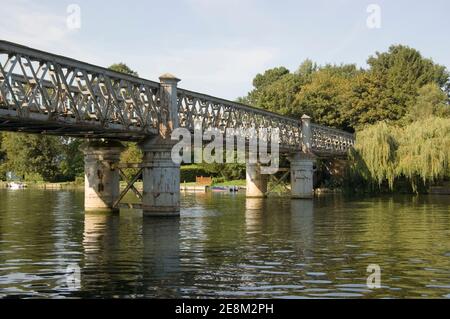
x,y
125,253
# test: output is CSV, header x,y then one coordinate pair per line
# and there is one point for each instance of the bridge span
x,y
44,93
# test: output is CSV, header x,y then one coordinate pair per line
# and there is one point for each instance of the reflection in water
x,y
161,257
226,245
254,214
136,255
302,225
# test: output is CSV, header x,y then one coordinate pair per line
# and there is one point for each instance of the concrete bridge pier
x,y
256,185
101,181
161,179
302,164
302,170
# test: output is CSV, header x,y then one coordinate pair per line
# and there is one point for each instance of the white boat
x,y
14,185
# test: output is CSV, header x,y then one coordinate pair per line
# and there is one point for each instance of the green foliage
x,y
188,173
227,171
122,68
307,68
431,101
424,150
404,71
398,82
72,163
275,91
32,155
269,76
374,155
132,154
41,157
326,96
406,68
388,153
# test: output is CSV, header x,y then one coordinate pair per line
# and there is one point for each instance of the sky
x,y
216,47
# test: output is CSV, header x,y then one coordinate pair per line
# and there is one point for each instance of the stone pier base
x,y
101,182
256,182
161,179
302,170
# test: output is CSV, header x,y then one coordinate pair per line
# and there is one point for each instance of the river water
x,y
225,246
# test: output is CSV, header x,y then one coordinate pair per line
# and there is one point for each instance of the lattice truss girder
x,y
329,140
32,85
211,112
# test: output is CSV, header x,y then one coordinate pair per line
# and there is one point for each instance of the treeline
x,y
398,105
397,84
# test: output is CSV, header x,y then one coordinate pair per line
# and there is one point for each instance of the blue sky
x,y
218,46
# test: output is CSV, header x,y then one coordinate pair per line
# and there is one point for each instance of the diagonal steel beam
x,y
128,187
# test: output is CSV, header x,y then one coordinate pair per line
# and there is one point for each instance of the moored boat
x,y
14,185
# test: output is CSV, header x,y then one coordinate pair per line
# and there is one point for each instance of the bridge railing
x,y
212,112
328,141
39,85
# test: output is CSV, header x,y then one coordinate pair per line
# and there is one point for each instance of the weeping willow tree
x,y
424,151
387,153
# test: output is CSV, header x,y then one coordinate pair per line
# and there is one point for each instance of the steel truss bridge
x,y
46,93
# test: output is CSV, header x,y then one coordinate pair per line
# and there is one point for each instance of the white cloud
x,y
31,24
222,72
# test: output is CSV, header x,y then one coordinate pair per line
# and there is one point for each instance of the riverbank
x,y
283,188
123,184
44,185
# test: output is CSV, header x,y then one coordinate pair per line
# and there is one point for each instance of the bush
x,y
189,172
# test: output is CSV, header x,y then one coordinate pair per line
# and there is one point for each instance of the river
x,y
225,246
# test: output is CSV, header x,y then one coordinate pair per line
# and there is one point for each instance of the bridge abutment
x,y
161,179
256,182
101,180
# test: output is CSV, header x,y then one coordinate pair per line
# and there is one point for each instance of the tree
x,y
276,88
227,171
404,71
30,155
72,163
269,76
347,97
326,97
307,68
122,68
418,153
431,101
368,101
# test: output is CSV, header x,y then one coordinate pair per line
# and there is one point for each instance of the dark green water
x,y
226,246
